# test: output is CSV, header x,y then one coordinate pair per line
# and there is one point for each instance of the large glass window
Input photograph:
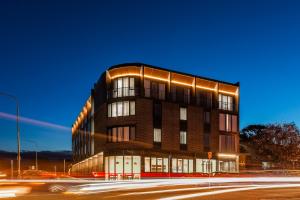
x,y
147,164
227,143
122,108
122,165
204,98
206,165
157,135
228,122
121,134
182,137
183,113
123,87
154,164
182,165
225,102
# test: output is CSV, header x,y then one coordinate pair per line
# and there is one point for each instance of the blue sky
x,y
52,52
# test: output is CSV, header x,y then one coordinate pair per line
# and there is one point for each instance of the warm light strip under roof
x,y
226,92
125,74
182,83
205,88
156,78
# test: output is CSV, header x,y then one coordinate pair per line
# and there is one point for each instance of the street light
x,y
18,129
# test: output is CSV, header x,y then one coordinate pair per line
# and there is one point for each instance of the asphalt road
x,y
263,189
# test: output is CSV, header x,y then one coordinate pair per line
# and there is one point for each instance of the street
x,y
216,188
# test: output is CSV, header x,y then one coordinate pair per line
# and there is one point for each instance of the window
x,y
182,137
109,110
132,107
234,123
186,95
206,140
204,98
147,87
207,117
182,165
206,166
173,92
228,123
147,164
162,93
126,133
154,164
114,109
123,87
122,108
227,143
131,87
157,115
225,102
183,114
157,135
126,108
121,134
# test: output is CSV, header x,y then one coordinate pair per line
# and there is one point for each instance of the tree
x,y
276,143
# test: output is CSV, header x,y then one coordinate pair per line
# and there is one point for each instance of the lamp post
x,y
18,129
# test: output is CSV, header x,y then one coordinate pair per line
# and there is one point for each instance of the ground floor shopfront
x,y
134,165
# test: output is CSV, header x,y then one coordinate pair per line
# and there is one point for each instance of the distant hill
x,y
46,159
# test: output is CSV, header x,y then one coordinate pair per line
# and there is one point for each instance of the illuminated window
x,y
206,166
228,123
132,107
153,164
126,133
121,108
113,109
182,137
126,108
183,114
147,164
123,87
225,102
157,135
147,88
121,134
166,165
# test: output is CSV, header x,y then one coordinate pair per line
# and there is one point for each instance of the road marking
x,y
228,191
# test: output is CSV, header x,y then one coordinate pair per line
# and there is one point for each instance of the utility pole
x,y
55,170
64,166
12,169
36,161
18,130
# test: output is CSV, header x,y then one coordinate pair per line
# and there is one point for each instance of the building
x,y
146,121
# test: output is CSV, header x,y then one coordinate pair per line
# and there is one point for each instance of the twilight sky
x,y
53,51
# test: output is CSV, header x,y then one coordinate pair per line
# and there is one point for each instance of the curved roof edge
x,y
174,71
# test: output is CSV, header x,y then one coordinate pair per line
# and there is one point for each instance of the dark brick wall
x,y
170,126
